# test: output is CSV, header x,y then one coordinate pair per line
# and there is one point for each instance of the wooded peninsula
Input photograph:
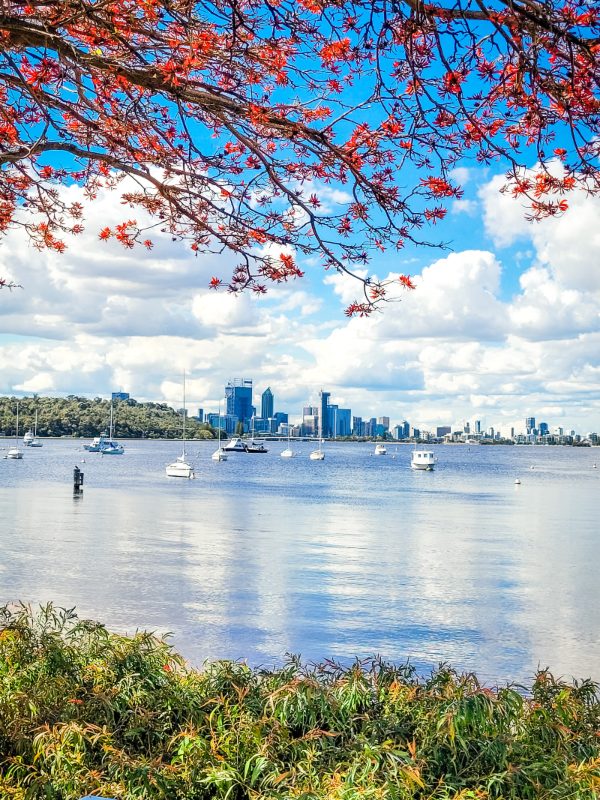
x,y
84,417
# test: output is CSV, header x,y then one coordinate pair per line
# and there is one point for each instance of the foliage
x,y
327,127
80,416
84,711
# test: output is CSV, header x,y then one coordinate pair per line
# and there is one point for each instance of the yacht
x,y
35,442
318,454
180,467
14,452
219,454
288,452
105,443
28,438
380,450
235,445
422,459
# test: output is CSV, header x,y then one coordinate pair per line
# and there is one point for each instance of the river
x,y
356,555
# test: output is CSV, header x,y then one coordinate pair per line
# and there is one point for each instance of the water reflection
x,y
351,556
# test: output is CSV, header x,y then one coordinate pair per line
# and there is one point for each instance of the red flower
x,y
406,282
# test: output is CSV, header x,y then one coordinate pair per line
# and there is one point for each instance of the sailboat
x,y
180,467
288,452
14,452
104,443
219,454
318,454
110,447
35,442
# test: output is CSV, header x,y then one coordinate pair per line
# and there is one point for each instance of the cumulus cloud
x,y
98,318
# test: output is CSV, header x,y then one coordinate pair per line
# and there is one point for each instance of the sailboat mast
x,y
184,414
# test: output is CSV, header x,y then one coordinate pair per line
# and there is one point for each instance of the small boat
x,y
256,448
14,452
28,438
422,459
180,467
318,454
252,446
236,445
288,452
380,450
219,454
105,443
35,442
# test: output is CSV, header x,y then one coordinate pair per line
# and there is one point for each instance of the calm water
x,y
355,555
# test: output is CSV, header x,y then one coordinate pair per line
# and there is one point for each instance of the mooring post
x,y
77,480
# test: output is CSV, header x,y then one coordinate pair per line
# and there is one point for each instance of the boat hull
x,y
179,469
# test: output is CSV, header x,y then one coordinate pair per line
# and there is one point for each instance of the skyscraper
x,y
530,424
238,395
266,408
324,413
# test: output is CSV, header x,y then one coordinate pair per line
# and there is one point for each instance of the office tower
x,y
200,416
324,413
544,429
530,424
357,426
344,416
467,427
442,430
266,403
120,395
477,426
405,429
385,422
238,396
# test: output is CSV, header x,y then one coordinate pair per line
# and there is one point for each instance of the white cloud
x,y
98,318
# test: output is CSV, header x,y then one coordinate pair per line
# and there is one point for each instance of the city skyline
x,y
505,325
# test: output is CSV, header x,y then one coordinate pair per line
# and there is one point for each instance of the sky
x,y
502,326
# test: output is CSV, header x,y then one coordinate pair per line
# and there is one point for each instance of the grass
x,y
86,711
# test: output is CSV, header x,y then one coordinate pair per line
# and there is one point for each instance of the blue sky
x,y
504,325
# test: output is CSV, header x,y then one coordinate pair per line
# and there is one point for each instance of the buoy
x,y
517,481
532,467
593,466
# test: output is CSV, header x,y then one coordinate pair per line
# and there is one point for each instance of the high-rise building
x,y
544,429
530,424
267,403
477,426
120,395
238,396
385,421
324,426
200,415
442,430
358,428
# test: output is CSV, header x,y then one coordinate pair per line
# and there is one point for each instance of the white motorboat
x,y
422,459
28,438
235,445
219,454
180,468
380,450
14,452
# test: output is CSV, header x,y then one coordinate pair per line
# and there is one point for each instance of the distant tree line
x,y
83,417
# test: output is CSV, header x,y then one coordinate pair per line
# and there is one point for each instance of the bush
x,y
86,711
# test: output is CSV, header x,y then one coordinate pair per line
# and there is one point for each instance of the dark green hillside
x,y
82,417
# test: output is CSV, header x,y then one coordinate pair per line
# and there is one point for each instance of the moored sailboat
x,y
180,468
14,452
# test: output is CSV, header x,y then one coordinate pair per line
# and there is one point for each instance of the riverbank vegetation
x,y
83,417
83,710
